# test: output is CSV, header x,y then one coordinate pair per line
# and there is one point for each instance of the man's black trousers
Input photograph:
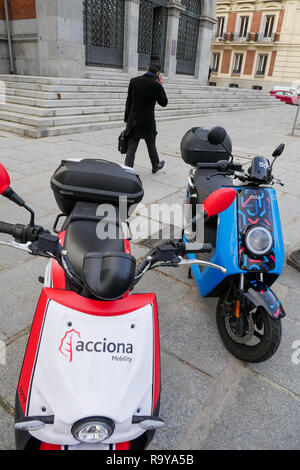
x,y
133,143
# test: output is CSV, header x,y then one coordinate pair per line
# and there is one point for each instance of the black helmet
x,y
195,147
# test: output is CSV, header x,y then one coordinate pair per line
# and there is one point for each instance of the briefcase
x,y
123,142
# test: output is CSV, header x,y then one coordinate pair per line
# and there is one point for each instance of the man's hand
x,y
160,80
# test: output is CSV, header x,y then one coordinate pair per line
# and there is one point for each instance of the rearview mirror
x,y
278,151
219,201
8,192
217,135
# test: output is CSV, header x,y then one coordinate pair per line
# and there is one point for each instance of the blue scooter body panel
x,y
226,252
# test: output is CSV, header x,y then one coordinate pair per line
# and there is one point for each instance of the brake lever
x,y
220,174
18,246
277,181
207,264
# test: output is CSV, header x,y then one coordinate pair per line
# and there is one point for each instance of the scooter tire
x,y
261,352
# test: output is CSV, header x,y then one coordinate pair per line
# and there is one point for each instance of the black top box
x,y
94,180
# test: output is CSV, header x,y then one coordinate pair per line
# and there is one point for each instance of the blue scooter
x,y
246,239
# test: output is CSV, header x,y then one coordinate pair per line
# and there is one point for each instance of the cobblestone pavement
x,y
210,400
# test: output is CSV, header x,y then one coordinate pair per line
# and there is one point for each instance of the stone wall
x,y
23,26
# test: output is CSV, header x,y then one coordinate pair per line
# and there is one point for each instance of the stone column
x,y
203,49
131,36
174,10
61,52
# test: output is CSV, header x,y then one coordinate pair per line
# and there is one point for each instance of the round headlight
x,y
93,430
259,241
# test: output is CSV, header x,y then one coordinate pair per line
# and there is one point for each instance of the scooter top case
x,y
88,358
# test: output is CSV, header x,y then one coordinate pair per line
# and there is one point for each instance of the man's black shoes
x,y
159,167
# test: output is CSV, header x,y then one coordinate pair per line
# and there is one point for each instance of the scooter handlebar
x,y
6,228
221,165
21,233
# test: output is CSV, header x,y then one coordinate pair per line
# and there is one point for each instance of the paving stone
x,y
191,334
184,389
260,417
289,277
280,368
289,298
162,286
7,434
10,372
19,293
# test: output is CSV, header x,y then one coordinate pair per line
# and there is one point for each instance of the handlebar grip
x,y
198,248
207,166
6,228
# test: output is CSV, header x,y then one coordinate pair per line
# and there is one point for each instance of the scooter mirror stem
x,y
14,197
229,153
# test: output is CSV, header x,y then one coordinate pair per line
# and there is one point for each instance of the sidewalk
x,y
209,399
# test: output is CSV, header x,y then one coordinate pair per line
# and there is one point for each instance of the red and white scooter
x,y
91,372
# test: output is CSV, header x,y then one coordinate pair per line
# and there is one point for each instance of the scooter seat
x,y
206,187
83,231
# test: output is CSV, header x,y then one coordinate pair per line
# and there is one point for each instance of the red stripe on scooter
x,y
156,375
31,350
123,446
127,247
58,274
97,307
45,446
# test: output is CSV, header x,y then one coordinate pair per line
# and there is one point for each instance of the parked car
x,y
275,89
287,97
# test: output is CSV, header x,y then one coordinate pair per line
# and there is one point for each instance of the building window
x,y
244,23
269,26
237,63
261,64
220,26
215,62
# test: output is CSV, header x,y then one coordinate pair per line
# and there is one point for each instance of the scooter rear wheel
x,y
261,338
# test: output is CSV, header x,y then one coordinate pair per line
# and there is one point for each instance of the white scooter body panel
x,y
89,365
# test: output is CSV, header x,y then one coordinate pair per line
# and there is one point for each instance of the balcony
x,y
250,37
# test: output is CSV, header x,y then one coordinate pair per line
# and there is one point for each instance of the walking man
x,y
143,94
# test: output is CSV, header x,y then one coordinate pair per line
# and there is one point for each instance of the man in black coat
x,y
143,94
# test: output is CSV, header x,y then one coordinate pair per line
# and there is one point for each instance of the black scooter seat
x,y
83,229
206,187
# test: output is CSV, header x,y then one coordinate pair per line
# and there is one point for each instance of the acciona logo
x,y
72,342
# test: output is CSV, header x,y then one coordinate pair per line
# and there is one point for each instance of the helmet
x,y
195,147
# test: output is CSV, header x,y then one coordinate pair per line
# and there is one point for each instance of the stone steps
x,y
31,131
42,106
117,105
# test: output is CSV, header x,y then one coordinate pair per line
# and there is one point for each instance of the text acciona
x,y
104,347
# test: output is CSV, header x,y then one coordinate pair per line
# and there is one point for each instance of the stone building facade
x,y
60,38
256,43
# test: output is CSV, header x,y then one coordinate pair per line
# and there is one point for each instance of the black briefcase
x,y
123,142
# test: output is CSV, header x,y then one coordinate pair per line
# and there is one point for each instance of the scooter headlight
x,y
259,241
93,430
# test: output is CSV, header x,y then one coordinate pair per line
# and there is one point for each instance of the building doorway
x,y
104,32
153,21
188,34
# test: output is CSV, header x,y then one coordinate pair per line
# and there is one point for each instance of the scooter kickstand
x,y
190,275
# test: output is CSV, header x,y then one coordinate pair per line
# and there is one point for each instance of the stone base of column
x,y
131,34
61,52
204,49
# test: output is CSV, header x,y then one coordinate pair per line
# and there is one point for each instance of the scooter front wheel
x,y
261,336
